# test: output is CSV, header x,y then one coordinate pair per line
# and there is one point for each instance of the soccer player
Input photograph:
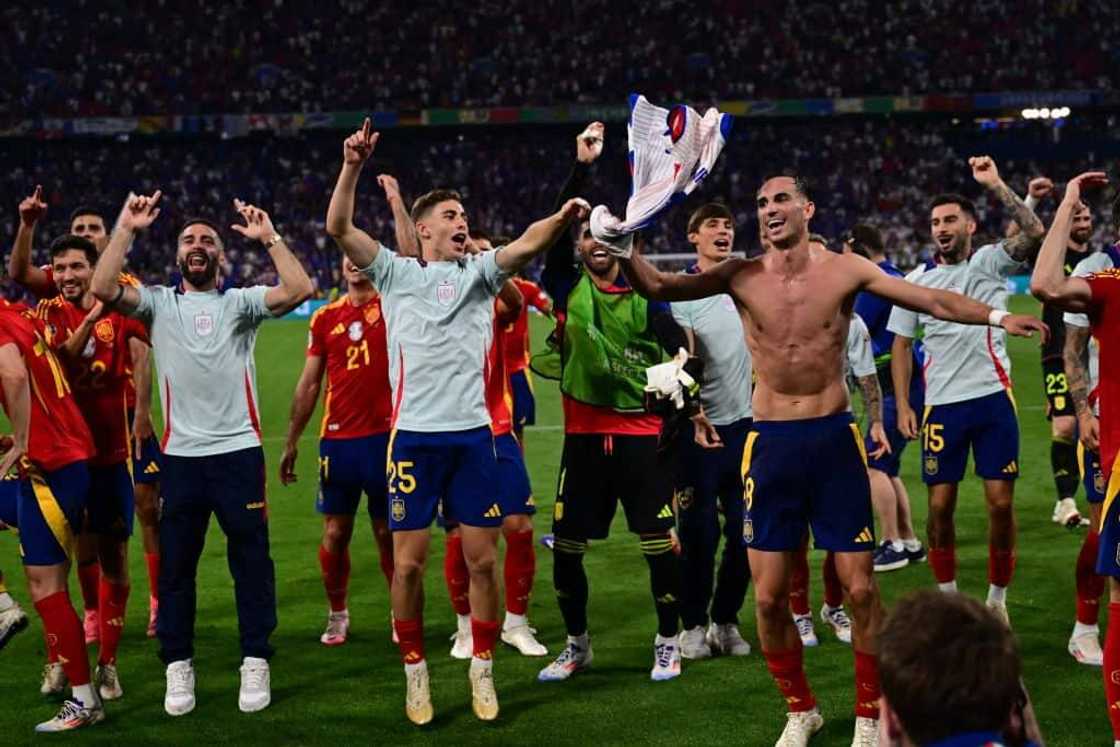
x,y
93,345
709,453
440,317
346,341
608,336
1098,296
1059,404
795,303
968,401
898,546
213,461
51,443
1082,372
88,223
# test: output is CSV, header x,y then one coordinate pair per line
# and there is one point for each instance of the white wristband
x,y
996,317
1031,201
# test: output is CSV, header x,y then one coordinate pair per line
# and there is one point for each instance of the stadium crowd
x,y
90,59
863,167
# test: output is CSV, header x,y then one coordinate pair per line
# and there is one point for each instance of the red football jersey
x,y
352,341
59,435
499,398
101,375
517,333
1104,318
125,278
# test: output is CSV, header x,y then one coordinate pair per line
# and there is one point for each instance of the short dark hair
x,y
952,198
86,210
800,183
480,235
706,212
69,242
948,665
201,221
425,202
865,239
500,239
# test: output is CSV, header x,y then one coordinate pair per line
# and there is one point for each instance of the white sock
x,y
464,625
410,668
948,586
85,694
803,617
897,546
1080,628
580,641
913,544
340,613
997,594
481,665
514,621
6,601
661,640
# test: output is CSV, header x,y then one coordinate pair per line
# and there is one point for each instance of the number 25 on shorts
x,y
399,478
932,440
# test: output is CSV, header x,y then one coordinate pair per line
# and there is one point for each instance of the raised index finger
x,y
366,125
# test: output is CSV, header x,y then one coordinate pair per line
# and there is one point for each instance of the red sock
x,y
410,637
789,674
335,569
1001,566
385,559
64,636
833,590
485,634
52,652
89,577
799,582
943,561
867,685
1112,667
457,576
113,599
152,559
1090,586
520,568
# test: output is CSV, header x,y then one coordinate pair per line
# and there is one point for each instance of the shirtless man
x,y
796,302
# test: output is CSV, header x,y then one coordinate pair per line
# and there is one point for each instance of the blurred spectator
x,y
88,58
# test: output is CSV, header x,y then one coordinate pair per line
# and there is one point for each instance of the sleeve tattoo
x,y
872,398
1026,243
1077,374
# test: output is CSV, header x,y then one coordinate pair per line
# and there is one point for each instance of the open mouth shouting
x,y
459,241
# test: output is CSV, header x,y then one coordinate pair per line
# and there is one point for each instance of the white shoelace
x,y
71,709
253,677
179,680
804,626
663,654
336,625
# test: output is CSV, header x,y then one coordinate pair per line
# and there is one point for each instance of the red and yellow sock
x,y
1090,585
519,570
485,634
1111,669
113,598
151,559
943,561
799,582
65,639
335,569
410,640
787,669
89,578
1001,567
457,576
867,685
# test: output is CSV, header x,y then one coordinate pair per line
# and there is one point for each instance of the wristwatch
x,y
273,240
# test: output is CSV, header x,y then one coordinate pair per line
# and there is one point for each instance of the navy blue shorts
x,y
986,424
349,467
888,463
1092,476
1108,556
708,475
459,468
516,492
801,474
147,464
524,401
9,501
111,502
50,513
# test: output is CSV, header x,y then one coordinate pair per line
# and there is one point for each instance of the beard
x,y
199,277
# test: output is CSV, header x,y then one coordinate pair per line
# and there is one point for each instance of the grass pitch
x,y
354,693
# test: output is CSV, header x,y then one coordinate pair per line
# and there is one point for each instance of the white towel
x,y
671,152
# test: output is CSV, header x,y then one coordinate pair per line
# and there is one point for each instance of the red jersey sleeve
x,y
316,344
1105,286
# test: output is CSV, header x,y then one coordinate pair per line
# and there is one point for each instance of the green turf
x,y
354,693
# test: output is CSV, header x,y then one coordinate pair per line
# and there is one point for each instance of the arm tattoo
x,y
872,397
1077,374
1027,242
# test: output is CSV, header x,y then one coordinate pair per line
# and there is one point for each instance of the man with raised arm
x,y
203,341
440,317
1098,296
796,303
969,403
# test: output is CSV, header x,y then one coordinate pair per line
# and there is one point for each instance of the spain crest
x,y
104,330
396,508
931,465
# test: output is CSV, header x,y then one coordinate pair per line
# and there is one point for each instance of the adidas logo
x,y
151,469
116,622
665,512
251,506
864,536
338,330
1011,468
531,502
493,512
